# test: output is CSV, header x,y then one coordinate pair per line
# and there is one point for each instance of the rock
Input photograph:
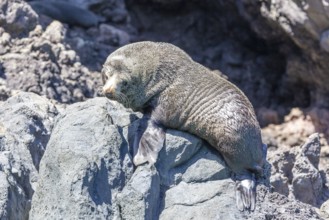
x,y
295,172
182,159
209,200
179,148
86,4
168,2
320,119
280,184
5,40
115,11
5,92
85,166
55,32
87,171
324,40
267,116
139,199
294,131
112,35
26,122
307,181
311,149
45,65
216,200
17,17
282,163
297,24
209,168
118,15
324,210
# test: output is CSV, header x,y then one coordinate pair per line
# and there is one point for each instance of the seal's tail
x,y
245,193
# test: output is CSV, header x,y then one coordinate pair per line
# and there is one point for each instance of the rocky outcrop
x,y
87,172
301,27
76,162
301,170
296,173
262,48
17,17
87,163
26,122
44,64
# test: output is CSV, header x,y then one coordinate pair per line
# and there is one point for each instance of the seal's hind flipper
x,y
148,142
245,193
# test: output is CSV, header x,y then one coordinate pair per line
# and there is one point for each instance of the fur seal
x,y
175,92
66,13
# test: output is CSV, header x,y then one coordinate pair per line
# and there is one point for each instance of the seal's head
x,y
132,75
119,82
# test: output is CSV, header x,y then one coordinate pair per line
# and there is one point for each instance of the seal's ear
x,y
148,142
116,62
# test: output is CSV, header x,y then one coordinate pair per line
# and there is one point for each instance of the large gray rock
x,y
216,200
195,184
87,172
87,163
186,157
25,125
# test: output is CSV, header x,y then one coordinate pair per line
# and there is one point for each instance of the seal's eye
x,y
124,83
104,78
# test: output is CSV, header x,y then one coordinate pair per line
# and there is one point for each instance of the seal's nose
x,y
109,92
110,87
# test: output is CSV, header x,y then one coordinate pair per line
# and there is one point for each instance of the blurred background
x,y
276,51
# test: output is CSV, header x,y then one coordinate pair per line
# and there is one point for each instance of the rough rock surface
x,y
87,172
44,64
301,28
17,17
86,164
299,163
26,122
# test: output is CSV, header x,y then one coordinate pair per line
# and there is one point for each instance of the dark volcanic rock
x,y
44,64
17,17
301,28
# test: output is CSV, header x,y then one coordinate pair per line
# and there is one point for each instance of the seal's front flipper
x,y
245,193
148,142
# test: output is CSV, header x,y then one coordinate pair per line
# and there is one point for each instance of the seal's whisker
x,y
122,98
